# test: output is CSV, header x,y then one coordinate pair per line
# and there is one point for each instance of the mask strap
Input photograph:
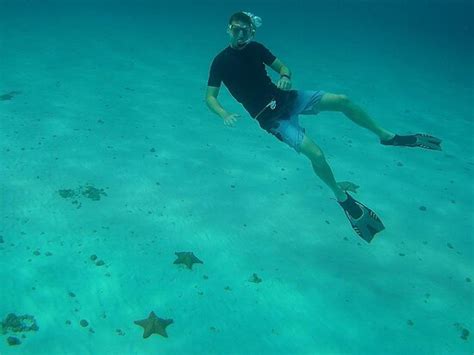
x,y
256,20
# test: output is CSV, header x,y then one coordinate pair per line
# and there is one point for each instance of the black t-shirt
x,y
243,73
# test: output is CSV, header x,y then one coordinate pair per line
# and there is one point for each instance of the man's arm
x,y
212,103
284,82
281,68
216,107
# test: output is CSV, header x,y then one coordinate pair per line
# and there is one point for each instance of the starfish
x,y
187,258
154,324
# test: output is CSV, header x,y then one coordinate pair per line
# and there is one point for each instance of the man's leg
x,y
340,103
363,220
321,167
333,102
324,172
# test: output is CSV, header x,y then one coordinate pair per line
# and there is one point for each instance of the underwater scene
x,y
236,177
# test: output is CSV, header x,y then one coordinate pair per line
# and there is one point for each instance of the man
x,y
241,67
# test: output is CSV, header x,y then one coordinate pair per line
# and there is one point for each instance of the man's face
x,y
240,33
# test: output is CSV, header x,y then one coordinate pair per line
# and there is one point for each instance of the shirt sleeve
x,y
267,57
215,74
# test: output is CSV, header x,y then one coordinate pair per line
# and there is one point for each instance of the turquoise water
x,y
111,163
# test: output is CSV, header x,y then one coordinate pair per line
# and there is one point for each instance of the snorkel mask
x,y
241,33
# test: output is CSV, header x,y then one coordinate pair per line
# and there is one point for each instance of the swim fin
x,y
367,224
415,140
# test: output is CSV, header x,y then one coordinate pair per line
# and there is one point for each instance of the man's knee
x,y
343,103
312,151
335,102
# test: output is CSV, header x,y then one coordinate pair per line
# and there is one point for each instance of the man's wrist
x,y
224,114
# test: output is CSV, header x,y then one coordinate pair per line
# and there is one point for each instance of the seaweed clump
x,y
19,324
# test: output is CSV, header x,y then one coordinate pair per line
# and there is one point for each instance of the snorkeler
x,y
241,67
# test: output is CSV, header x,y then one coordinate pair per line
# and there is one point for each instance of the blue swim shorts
x,y
287,128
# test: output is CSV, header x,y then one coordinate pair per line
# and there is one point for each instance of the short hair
x,y
242,17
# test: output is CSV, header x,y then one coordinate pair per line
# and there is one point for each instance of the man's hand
x,y
230,119
284,83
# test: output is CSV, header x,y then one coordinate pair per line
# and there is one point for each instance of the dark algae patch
x,y
67,193
76,195
464,332
93,193
13,341
18,324
9,95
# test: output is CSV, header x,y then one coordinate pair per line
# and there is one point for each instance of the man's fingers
x,y
229,121
283,85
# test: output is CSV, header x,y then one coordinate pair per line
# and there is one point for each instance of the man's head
x,y
241,30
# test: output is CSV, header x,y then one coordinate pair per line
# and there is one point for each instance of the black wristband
x,y
284,75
